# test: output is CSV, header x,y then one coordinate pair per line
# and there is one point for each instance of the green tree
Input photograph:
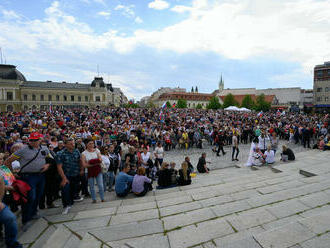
x,y
168,104
150,105
248,102
182,103
229,101
262,104
199,106
214,103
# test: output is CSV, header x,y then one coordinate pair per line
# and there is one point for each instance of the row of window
x,y
320,99
326,89
57,98
10,97
323,73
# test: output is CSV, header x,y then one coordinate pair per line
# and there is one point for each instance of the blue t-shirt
x,y
121,182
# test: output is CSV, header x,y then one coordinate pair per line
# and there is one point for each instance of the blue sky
x,y
146,44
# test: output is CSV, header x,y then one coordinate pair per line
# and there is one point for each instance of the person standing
x,y
263,142
91,159
69,168
159,155
32,158
235,147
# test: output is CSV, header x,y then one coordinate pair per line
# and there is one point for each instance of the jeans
x,y
8,219
237,152
37,184
99,181
108,179
127,190
69,191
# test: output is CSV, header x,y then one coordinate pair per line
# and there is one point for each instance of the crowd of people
x,y
65,153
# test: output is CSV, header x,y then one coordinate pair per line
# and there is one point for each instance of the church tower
x,y
221,84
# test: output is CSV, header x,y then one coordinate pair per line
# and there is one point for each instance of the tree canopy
x,y
229,101
248,102
168,104
199,106
182,103
214,103
262,104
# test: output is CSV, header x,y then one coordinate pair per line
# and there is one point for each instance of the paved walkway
x,y
228,208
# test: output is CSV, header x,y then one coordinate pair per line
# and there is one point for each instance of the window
x,y
65,98
72,98
319,90
319,73
79,98
10,96
326,99
319,99
49,97
327,89
57,97
42,98
34,97
86,98
328,72
98,99
25,97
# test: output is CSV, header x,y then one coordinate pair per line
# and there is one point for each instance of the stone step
x,y
59,238
89,241
33,232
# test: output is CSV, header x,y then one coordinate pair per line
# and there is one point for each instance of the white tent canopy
x,y
234,108
244,110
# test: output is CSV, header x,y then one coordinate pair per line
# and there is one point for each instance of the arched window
x,y
10,108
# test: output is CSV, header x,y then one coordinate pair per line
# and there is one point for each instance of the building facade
x,y
18,94
322,87
284,97
193,99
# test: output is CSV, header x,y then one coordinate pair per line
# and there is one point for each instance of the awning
x,y
322,106
308,105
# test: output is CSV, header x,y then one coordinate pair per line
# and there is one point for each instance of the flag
x,y
260,114
50,107
161,115
164,105
173,106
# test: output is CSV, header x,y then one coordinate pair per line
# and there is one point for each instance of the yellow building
x,y
18,94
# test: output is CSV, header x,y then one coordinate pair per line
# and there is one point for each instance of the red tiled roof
x,y
186,95
239,98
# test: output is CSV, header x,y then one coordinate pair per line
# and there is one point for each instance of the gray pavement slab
x,y
203,232
33,232
131,230
230,208
180,208
88,223
134,217
89,241
95,213
150,241
136,207
318,223
322,241
59,238
188,218
284,236
287,208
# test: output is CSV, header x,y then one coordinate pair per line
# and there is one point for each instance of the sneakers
x,y
78,199
66,210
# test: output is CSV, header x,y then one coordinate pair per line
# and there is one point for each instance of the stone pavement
x,y
229,208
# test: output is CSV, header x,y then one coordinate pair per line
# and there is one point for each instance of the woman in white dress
x,y
269,155
254,143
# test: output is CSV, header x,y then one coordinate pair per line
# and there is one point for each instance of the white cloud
x,y
181,8
10,14
127,10
158,4
290,30
138,20
105,14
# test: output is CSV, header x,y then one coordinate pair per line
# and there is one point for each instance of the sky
x,y
142,45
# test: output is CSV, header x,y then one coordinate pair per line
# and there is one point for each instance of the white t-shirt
x,y
91,155
145,157
270,156
159,151
106,161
